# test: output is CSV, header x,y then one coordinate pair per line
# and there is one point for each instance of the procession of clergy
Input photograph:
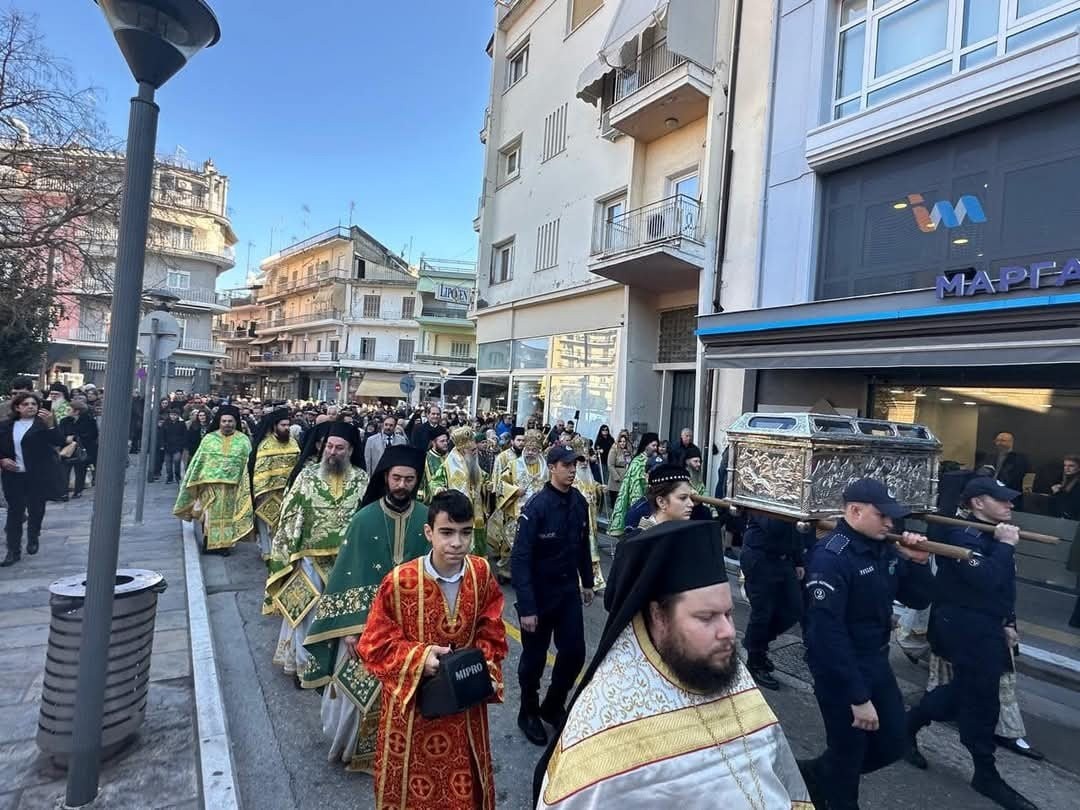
x,y
388,589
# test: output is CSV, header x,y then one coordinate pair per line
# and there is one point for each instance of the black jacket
x,y
39,453
551,550
173,436
677,453
84,429
195,436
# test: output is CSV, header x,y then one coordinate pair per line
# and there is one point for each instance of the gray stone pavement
x,y
280,754
159,769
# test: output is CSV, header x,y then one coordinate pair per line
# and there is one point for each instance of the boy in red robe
x,y
424,608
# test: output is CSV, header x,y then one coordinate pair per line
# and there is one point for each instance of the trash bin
x,y
128,675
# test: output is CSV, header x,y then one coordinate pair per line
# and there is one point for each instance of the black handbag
x,y
461,682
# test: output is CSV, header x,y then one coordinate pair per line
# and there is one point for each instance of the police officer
x,y
853,578
772,563
973,625
550,557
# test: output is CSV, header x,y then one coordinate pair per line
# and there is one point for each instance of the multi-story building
x,y
237,330
339,321
598,214
447,343
918,243
190,244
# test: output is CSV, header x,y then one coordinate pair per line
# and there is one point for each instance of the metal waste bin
x,y
128,673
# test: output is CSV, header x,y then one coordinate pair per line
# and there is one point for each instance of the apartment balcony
x,y
196,297
196,247
312,359
426,359
321,317
340,232
238,335
81,335
659,246
201,346
657,92
381,318
452,319
284,286
485,130
187,200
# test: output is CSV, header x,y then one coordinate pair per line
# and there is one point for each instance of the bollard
x,y
127,682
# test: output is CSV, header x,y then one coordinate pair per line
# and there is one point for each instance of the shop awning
x,y
380,389
620,47
262,341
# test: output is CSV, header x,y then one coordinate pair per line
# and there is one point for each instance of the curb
x,y
215,754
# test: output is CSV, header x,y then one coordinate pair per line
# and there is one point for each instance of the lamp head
x,y
158,37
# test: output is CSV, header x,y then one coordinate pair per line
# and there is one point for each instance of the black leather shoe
x,y
554,716
32,545
992,786
1019,746
533,728
914,755
809,770
762,677
11,558
767,665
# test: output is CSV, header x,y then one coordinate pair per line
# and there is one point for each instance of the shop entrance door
x,y
683,384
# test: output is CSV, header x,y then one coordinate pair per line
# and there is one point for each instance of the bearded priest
x,y
666,713
387,531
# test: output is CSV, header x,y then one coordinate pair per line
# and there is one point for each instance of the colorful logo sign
x,y
945,214
1034,276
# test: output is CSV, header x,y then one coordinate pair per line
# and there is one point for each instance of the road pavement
x,y
281,756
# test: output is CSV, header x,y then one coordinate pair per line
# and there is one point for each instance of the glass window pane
x,y
585,349
980,20
970,60
529,398
493,394
1025,7
494,355
849,70
1043,31
847,108
530,353
852,10
911,34
585,400
911,82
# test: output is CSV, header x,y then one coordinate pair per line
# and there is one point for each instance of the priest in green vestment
x,y
216,492
387,531
438,447
317,508
634,483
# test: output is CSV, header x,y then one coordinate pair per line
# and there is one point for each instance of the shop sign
x,y
452,293
1031,277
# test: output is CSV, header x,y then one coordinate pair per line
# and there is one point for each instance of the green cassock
x,y
377,539
632,490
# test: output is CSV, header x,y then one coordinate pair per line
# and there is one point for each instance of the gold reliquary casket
x,y
798,464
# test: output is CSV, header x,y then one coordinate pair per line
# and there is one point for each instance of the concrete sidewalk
x,y
160,769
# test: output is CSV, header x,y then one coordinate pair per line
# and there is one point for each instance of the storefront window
x,y
586,399
585,349
530,397
493,394
1025,438
494,356
531,353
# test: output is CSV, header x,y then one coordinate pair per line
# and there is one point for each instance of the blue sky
x,y
317,103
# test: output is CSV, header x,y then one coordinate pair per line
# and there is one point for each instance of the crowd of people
x,y
387,533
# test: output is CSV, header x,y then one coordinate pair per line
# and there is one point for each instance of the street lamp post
x,y
156,37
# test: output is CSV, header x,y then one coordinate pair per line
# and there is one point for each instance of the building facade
x,y
339,320
598,214
446,348
237,330
919,244
190,243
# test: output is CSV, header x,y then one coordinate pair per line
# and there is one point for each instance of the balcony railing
x,y
185,199
308,317
194,245
677,217
647,68
238,334
199,295
340,232
456,314
201,345
83,334
284,284
445,359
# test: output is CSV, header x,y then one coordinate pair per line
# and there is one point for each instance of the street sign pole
x,y
148,420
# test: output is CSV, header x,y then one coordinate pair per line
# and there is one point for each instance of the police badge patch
x,y
892,567
819,593
974,562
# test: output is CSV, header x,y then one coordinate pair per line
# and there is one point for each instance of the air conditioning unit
x,y
327,356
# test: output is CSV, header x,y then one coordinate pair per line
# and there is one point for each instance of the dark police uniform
x,y
851,583
772,550
973,602
551,553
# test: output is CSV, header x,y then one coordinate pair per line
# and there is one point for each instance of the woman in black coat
x,y
83,427
29,464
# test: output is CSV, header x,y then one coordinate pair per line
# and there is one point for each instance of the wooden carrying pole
x,y
930,517
941,549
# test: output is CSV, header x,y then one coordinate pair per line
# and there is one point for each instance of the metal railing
x,y
340,232
454,314
194,245
86,334
202,345
647,68
445,359
382,315
308,317
199,295
284,285
677,217
185,199
238,334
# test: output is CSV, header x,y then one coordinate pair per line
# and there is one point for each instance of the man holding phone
x,y
549,559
